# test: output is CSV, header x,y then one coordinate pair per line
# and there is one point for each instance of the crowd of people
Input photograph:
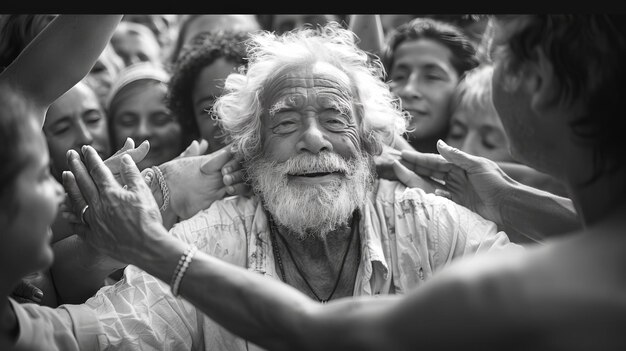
x,y
237,182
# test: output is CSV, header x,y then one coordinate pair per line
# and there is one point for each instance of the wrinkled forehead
x,y
319,78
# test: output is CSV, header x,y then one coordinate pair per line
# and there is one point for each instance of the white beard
x,y
311,209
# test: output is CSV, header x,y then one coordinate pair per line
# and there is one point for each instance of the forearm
x,y
537,214
252,306
75,278
70,45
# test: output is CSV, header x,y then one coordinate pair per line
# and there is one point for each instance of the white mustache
x,y
325,162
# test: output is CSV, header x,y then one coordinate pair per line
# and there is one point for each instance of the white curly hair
x,y
240,108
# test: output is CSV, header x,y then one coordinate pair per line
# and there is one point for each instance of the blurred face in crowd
x,y
208,86
73,120
140,113
479,132
36,197
103,73
423,77
212,23
282,23
312,173
134,42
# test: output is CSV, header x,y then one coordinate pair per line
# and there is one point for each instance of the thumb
x,y
140,152
216,160
203,147
405,175
128,145
130,173
456,156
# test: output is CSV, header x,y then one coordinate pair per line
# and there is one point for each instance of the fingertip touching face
x,y
73,120
309,109
423,77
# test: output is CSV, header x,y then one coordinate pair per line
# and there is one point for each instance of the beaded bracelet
x,y
181,268
164,189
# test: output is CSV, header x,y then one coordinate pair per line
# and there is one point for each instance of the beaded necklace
x,y
355,224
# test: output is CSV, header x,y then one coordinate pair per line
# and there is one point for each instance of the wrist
x,y
150,178
159,256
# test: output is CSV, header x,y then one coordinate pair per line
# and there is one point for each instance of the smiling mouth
x,y
316,174
417,113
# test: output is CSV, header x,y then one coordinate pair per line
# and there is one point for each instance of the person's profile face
x,y
309,109
73,120
137,46
26,235
208,87
142,114
513,104
423,77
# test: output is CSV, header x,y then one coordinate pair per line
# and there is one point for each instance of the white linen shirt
x,y
406,236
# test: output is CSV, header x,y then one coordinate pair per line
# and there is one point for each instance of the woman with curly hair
x,y
198,79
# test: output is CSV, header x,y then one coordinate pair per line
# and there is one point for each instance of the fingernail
x,y
64,175
83,149
225,170
127,159
230,190
38,295
228,180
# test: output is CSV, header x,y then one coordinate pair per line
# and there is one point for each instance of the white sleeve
x,y
140,313
462,232
68,327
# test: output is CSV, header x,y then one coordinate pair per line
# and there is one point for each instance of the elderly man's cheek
x,y
349,143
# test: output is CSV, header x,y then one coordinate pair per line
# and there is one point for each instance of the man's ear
x,y
541,83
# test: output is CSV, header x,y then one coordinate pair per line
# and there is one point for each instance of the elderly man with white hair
x,y
308,117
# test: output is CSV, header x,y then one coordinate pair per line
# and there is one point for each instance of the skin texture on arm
x,y
70,44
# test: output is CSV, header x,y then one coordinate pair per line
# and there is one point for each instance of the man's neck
x,y
319,260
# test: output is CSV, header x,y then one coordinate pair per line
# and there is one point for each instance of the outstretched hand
x,y
471,181
119,219
136,153
113,163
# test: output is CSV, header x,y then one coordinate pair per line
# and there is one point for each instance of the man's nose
x,y
412,88
84,135
143,131
313,138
